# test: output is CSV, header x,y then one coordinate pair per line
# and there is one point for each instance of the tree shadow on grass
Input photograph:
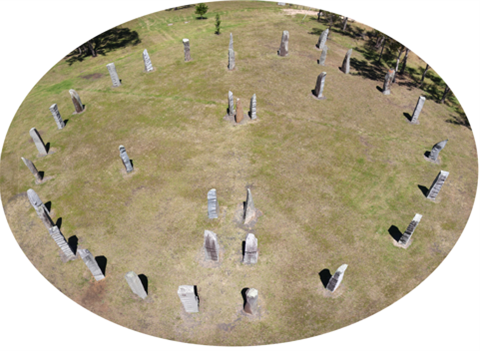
x,y
459,120
367,70
316,31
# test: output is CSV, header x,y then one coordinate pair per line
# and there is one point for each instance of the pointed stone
x,y
79,107
37,139
113,75
337,278
135,284
35,200
239,112
251,303
323,56
57,235
283,51
320,86
231,59
126,160
418,109
212,204
147,62
249,209
210,246
251,249
230,44
33,169
189,298
322,40
406,236
253,107
436,149
57,117
437,185
231,109
346,62
186,50
91,263
388,81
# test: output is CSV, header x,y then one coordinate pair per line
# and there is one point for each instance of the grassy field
x,y
330,177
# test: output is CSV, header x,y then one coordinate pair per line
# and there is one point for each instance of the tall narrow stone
x,y
212,204
147,62
37,139
231,59
231,108
230,44
437,185
388,81
320,85
251,303
323,56
57,235
210,246
251,249
126,160
189,298
322,39
253,107
186,50
239,112
337,278
44,216
436,149
135,284
249,208
57,117
113,75
91,263
35,200
79,107
283,51
33,169
346,62
406,236
418,109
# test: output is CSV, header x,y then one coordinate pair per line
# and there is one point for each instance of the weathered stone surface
x,y
418,109
186,50
147,62
280,3
230,44
249,209
231,59
210,246
79,108
126,160
231,108
322,39
283,51
37,139
239,112
388,81
323,56
346,62
436,149
57,117
189,298
91,263
251,249
40,208
405,238
135,284
113,75
251,303
57,235
253,107
212,204
337,278
32,169
437,185
320,86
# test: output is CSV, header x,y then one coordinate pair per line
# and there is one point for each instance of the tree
x,y
217,24
447,90
201,9
332,19
404,64
424,74
345,24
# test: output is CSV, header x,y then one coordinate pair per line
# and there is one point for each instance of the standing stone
x,y
251,249
37,139
147,62
239,114
346,62
336,279
405,238
135,284
57,117
212,204
189,298
79,108
113,75
33,169
57,235
35,200
322,39
323,56
249,209
320,85
388,82
437,185
186,50
210,246
251,303
253,107
230,44
283,51
91,263
231,109
231,59
418,109
125,159
436,150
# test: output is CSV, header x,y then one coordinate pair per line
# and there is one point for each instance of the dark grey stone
x,y
113,75
210,246
323,56
79,108
251,303
189,298
135,284
57,117
37,139
186,50
436,149
346,62
33,169
437,185
125,159
405,238
283,51
91,263
418,109
322,39
57,235
320,86
147,62
337,278
251,249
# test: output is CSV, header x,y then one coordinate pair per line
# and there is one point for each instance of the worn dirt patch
x,y
93,76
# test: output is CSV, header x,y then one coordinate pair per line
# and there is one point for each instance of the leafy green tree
x,y
217,24
201,9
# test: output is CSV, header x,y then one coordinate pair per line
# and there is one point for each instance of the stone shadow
x,y
408,116
102,263
325,276
59,222
48,205
244,296
395,233
143,278
423,189
73,243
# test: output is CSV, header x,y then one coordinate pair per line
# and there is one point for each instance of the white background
x,y
440,314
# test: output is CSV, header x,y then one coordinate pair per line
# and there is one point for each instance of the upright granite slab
x,y
251,301
322,40
188,297
33,169
250,255
212,204
147,63
437,185
210,246
35,200
323,56
417,110
57,117
186,50
253,107
319,86
231,108
37,139
283,50
346,62
433,156
40,208
136,284
77,103
387,84
249,208
91,263
113,75
337,278
57,235
231,59
125,159
405,239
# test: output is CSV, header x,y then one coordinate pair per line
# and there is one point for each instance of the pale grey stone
x,y
57,235
113,75
323,56
249,209
230,44
231,59
405,238
210,246
251,303
32,169
186,50
320,85
436,149
57,117
91,263
418,109
280,3
189,298
37,139
125,159
388,81
146,61
337,278
212,204
437,185
322,39
79,108
136,284
346,62
231,109
283,51
253,107
35,200
251,249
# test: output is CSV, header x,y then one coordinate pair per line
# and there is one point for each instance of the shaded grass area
x,y
331,178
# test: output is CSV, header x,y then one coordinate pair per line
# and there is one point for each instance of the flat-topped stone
x,y
251,249
283,50
417,110
437,185
35,200
147,62
57,117
249,208
212,204
337,278
251,303
91,263
37,139
210,246
231,108
33,169
77,103
113,75
253,107
404,240
231,59
135,284
186,50
58,237
125,159
188,297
